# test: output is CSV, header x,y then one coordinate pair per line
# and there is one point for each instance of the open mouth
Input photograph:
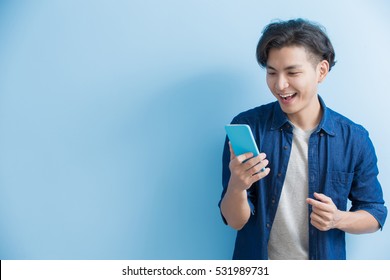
x,y
288,97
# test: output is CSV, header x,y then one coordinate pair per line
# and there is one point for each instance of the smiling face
x,y
293,76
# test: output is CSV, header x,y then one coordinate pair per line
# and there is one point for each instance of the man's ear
x,y
323,70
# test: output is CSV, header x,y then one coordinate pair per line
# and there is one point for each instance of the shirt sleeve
x,y
366,192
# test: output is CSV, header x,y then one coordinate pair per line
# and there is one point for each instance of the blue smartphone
x,y
241,138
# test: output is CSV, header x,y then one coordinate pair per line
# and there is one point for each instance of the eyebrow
x,y
292,67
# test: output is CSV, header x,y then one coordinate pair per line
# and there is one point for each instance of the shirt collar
x,y
326,123
279,118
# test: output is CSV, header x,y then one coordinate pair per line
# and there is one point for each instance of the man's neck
x,y
308,118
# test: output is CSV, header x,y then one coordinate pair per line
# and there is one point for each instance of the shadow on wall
x,y
178,137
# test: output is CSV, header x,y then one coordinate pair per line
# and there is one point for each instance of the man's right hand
x,y
246,169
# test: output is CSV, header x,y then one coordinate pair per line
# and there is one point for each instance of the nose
x,y
281,83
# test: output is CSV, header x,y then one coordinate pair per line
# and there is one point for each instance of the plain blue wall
x,y
112,114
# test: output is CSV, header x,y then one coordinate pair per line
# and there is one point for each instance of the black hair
x,y
296,32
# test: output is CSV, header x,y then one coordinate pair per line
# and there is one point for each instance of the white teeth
x,y
287,95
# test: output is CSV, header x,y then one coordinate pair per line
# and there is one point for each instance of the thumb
x,y
232,154
323,198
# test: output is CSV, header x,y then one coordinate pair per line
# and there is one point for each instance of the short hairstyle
x,y
296,32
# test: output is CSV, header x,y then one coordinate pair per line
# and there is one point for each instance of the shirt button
x,y
321,134
268,225
279,174
285,147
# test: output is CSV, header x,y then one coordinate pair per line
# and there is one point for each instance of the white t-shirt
x,y
289,237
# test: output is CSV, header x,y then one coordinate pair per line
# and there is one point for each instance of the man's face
x,y
293,78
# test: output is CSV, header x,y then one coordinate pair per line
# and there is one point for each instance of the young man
x,y
314,158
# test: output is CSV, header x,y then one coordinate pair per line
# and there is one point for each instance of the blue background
x,y
112,119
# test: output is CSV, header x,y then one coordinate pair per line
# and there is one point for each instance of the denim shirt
x,y
342,164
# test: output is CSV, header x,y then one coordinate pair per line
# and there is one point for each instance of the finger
x,y
323,198
260,167
318,205
260,175
316,218
244,157
319,198
262,156
319,222
232,154
318,225
254,161
250,163
237,166
312,202
324,215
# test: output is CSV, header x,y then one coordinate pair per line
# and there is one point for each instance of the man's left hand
x,y
325,214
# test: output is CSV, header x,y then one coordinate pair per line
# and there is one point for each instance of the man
x,y
314,158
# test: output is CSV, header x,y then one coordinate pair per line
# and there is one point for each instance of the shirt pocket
x,y
340,186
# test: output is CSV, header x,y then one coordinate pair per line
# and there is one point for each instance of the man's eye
x,y
293,73
271,73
